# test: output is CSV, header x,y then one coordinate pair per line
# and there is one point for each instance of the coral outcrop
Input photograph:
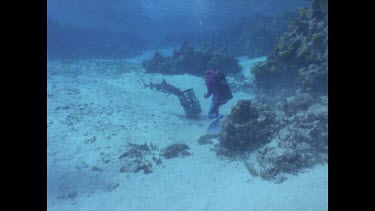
x,y
187,59
300,58
285,141
246,127
296,103
299,145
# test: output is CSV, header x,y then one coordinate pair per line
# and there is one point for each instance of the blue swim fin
x,y
214,126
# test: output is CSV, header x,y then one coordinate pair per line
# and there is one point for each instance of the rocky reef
x,y
302,143
297,103
299,61
193,61
284,130
247,127
285,141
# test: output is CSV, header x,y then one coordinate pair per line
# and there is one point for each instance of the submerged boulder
x,y
246,127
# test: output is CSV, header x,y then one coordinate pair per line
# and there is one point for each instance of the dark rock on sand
x,y
175,150
139,157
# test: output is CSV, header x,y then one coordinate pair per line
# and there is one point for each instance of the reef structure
x,y
246,127
299,61
186,59
280,142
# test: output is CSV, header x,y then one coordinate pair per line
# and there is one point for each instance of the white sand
x,y
117,109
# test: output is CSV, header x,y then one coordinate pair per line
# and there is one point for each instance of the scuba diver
x,y
218,87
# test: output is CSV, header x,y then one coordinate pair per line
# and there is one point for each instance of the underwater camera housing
x,y
190,103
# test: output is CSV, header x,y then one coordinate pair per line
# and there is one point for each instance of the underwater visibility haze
x,y
187,105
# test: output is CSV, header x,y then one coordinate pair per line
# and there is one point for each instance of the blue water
x,y
97,105
125,28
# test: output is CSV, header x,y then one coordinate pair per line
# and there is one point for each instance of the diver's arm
x,y
209,90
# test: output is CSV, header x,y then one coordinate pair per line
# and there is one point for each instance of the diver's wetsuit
x,y
217,99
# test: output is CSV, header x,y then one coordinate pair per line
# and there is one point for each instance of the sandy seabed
x,y
95,109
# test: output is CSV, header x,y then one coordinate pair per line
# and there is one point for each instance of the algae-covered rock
x,y
297,103
175,150
300,58
246,127
299,145
281,142
139,157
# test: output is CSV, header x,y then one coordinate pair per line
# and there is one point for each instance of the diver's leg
x,y
219,103
214,110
